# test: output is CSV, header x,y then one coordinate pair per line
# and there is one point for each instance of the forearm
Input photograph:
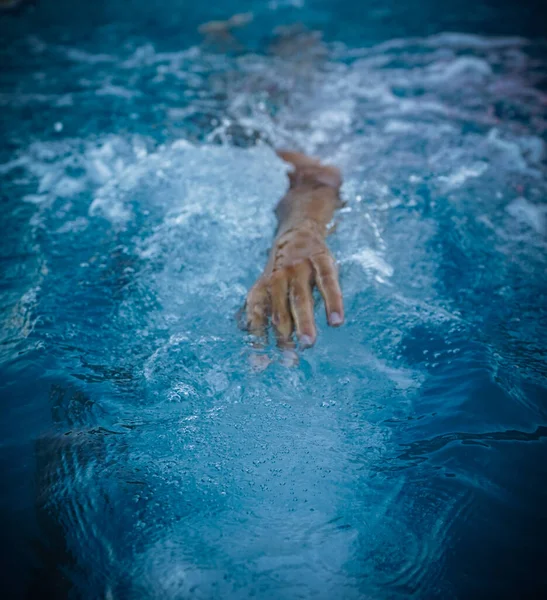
x,y
303,216
308,208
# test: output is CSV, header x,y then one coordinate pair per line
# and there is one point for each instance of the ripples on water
x,y
405,455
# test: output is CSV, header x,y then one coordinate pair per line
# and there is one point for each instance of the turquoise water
x,y
142,456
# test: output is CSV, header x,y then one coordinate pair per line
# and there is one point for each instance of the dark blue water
x,y
141,455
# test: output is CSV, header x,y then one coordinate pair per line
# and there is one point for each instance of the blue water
x,y
142,456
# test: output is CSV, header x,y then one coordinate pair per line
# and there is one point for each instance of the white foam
x,y
108,89
77,225
81,56
510,150
530,214
467,40
67,187
276,4
398,126
463,174
5,168
35,198
404,379
371,260
466,66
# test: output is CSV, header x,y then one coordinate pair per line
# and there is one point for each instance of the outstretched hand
x,y
300,258
299,261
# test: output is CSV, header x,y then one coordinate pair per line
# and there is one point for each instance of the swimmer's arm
x,y
300,258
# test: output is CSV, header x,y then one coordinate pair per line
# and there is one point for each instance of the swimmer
x,y
299,259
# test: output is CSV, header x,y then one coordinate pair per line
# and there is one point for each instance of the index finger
x,y
257,310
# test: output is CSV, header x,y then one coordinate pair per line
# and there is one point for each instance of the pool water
x,y
142,455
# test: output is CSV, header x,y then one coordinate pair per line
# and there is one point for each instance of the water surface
x,y
142,457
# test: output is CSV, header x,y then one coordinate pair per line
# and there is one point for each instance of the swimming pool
x,y
142,456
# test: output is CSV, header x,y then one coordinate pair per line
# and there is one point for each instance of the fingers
x,y
326,278
287,296
281,314
301,303
257,309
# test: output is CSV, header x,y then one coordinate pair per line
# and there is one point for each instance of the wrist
x,y
308,208
306,225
